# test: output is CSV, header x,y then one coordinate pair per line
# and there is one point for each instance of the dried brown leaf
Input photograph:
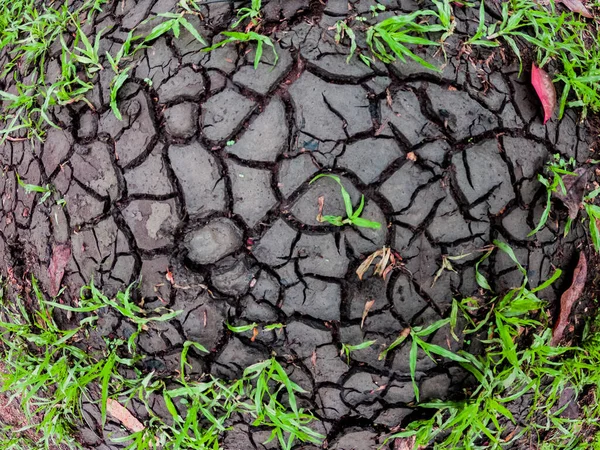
x,y
575,186
386,272
568,299
321,201
577,7
385,257
544,88
367,263
60,258
368,306
122,414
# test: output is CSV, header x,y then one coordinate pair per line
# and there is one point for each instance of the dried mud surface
x,y
447,163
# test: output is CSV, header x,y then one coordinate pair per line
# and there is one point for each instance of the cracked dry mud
x,y
236,224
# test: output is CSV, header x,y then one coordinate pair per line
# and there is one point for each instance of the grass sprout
x,y
347,348
353,217
250,36
46,191
252,14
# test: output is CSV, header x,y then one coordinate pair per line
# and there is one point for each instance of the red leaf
x,y
577,7
544,88
568,299
60,258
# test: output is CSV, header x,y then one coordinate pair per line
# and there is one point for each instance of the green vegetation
x,y
552,35
249,36
252,14
347,348
562,37
169,22
593,213
46,191
49,374
30,29
418,336
13,439
123,304
518,369
556,169
52,372
252,17
389,38
210,404
353,217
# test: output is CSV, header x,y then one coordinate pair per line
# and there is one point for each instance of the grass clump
x,y
555,37
48,371
49,374
521,379
123,304
573,196
556,169
388,40
30,31
252,17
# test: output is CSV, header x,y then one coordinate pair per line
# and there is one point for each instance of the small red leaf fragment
x,y
60,258
406,443
123,415
313,359
568,299
544,88
170,277
577,7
